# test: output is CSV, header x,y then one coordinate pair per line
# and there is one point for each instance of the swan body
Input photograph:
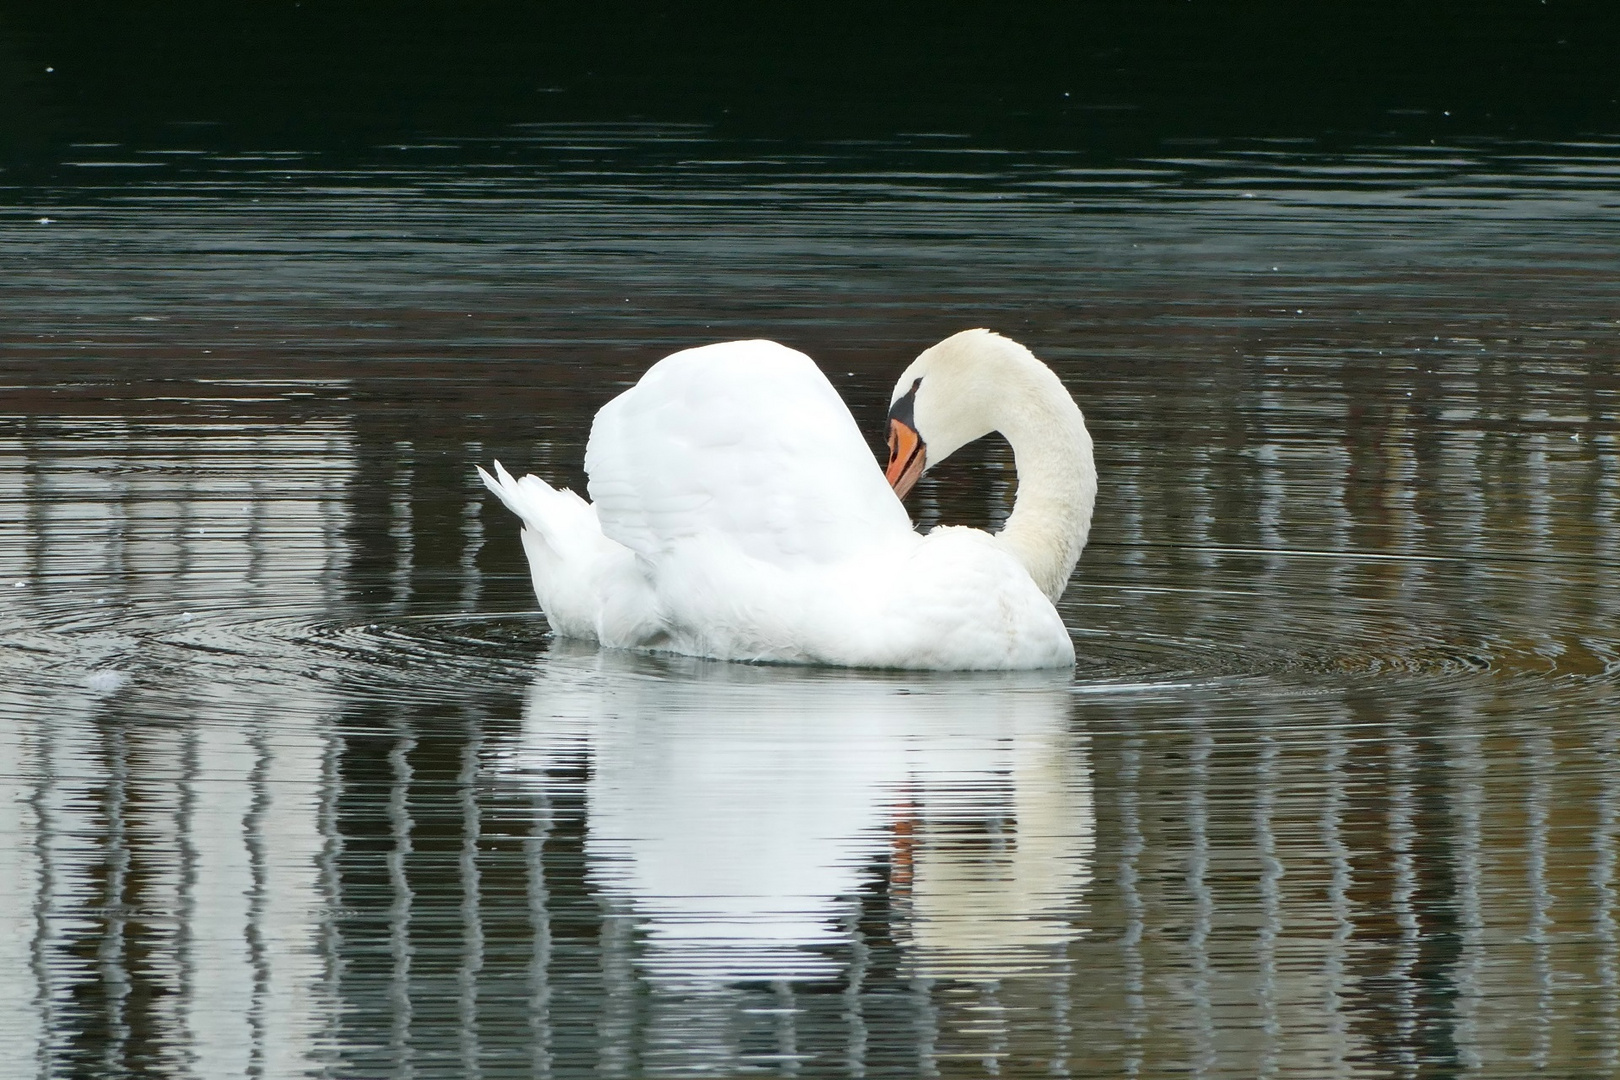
x,y
736,513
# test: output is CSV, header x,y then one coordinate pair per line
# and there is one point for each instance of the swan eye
x,y
904,408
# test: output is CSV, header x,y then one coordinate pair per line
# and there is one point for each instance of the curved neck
x,y
1057,480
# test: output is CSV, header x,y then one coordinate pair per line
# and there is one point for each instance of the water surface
x,y
295,783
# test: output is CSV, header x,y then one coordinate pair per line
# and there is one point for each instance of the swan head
x,y
952,394
977,382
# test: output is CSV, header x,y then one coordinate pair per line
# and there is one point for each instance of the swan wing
x,y
744,446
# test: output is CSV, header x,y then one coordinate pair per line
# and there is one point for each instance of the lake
x,y
294,782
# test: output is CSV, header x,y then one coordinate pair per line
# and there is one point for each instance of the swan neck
x,y
1057,483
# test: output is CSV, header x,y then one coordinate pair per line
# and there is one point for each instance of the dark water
x,y
294,783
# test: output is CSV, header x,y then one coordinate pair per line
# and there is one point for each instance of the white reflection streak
x,y
1062,1025
616,1020
257,991
27,874
1130,872
1199,491
400,525
1268,515
472,922
854,1019
1203,900
925,1026
787,1035
25,879
992,1010
1402,836
1542,762
1271,872
1338,894
1539,497
185,941
331,882
472,527
258,943
534,846
68,847
400,949
1125,507
293,997
1468,798
1543,607
112,957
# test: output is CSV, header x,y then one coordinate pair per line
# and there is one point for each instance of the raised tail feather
x,y
588,585
566,522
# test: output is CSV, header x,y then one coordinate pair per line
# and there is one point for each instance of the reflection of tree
x,y
172,853
1406,943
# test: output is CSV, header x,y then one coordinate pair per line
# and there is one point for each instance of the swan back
x,y
742,446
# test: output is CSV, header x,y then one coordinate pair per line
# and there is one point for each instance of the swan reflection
x,y
745,817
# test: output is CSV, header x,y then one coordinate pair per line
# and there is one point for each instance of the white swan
x,y
738,514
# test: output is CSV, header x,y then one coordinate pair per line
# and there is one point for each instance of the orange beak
x,y
908,456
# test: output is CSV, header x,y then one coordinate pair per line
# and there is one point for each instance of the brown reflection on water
x,y
1377,892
